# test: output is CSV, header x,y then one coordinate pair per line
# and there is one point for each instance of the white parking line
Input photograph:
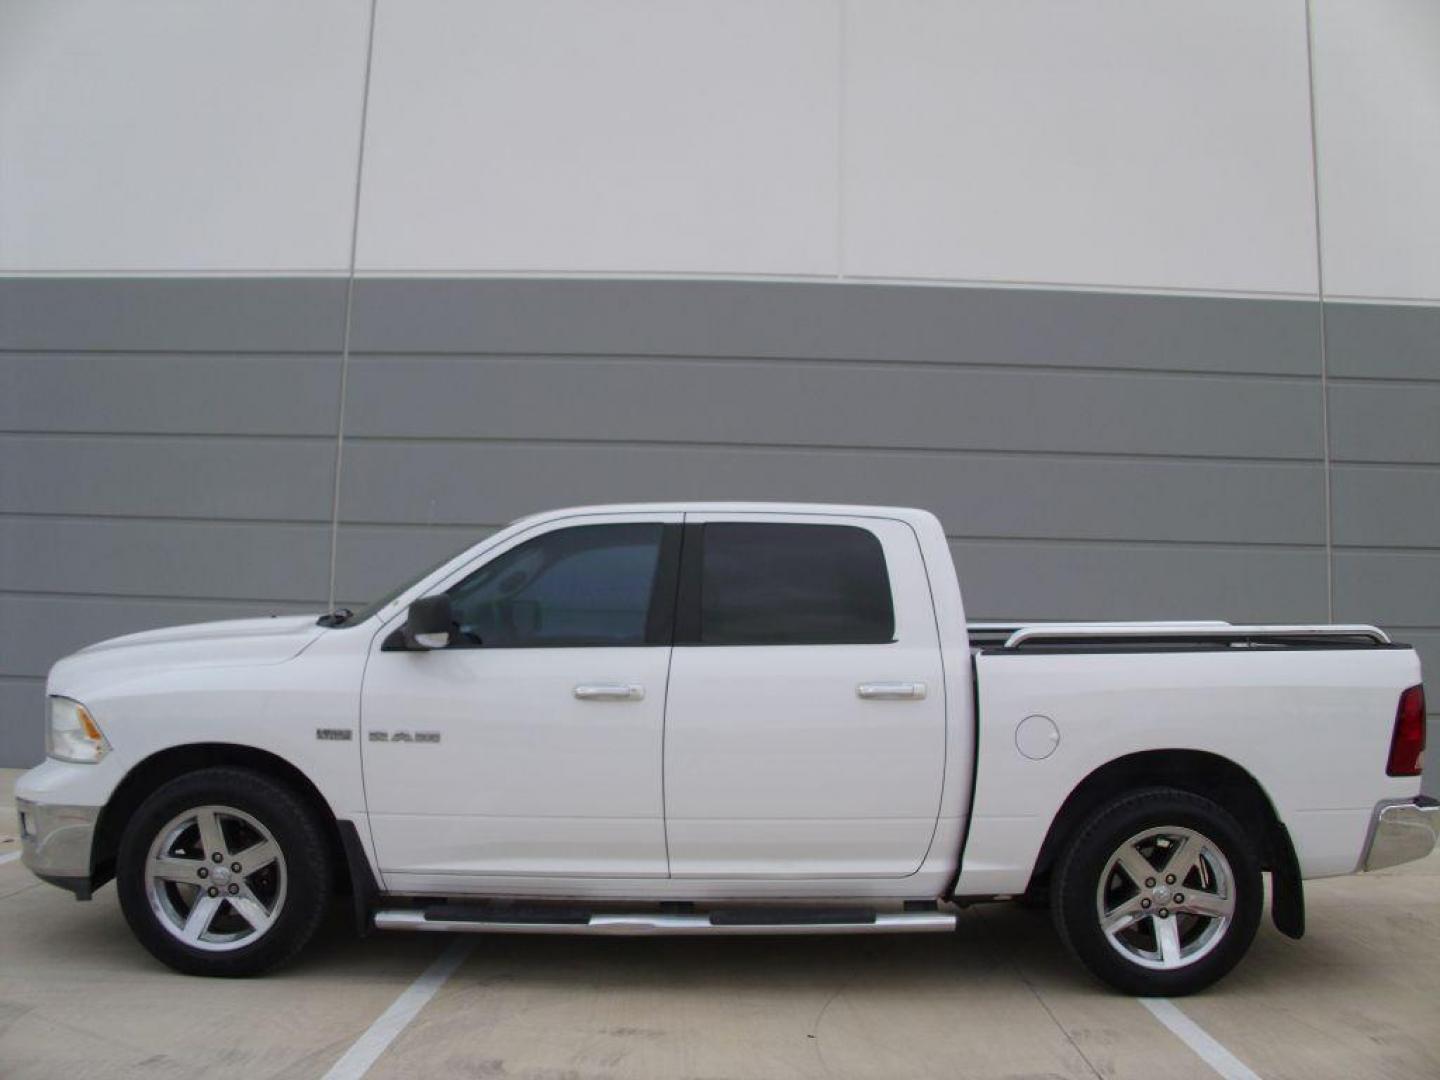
x,y
1199,1040
11,857
365,1050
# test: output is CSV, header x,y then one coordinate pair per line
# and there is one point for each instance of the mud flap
x,y
1287,892
364,890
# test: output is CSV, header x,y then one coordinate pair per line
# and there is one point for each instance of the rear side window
x,y
774,584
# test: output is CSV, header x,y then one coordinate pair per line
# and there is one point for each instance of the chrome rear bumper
x,y
1401,832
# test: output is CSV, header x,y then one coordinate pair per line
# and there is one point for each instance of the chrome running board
x,y
731,921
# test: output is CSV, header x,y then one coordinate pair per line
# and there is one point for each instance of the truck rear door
x,y
805,717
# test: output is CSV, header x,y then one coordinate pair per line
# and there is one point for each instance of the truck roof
x,y
903,513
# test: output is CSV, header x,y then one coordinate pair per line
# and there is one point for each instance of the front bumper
x,y
56,843
1401,832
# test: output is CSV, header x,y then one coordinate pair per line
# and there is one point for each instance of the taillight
x,y
1407,744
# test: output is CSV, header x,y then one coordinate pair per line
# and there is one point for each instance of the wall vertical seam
x,y
349,307
840,34
1320,292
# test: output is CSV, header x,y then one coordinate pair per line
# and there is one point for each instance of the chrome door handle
x,y
609,692
891,691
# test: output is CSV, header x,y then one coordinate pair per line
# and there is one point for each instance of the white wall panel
x,y
1377,94
179,136
1120,142
561,135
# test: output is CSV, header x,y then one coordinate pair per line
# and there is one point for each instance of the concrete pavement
x,y
1359,997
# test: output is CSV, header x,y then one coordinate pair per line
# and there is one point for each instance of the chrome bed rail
x,y
1194,633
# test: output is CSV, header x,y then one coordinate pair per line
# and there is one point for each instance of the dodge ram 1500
x,y
723,719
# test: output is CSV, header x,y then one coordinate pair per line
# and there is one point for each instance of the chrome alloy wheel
x,y
1166,898
215,878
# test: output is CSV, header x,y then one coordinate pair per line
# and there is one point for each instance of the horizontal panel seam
x,y
163,598
161,519
956,538
131,436
1398,381
162,351
1390,549
1356,463
55,594
1296,460
676,356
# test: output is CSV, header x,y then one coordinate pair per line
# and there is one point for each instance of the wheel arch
x,y
1199,772
148,775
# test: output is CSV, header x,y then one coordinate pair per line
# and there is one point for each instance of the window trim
x,y
688,627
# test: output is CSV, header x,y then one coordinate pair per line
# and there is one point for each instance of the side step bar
x,y
729,921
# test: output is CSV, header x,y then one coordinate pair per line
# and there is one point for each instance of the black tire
x,y
1076,885
306,863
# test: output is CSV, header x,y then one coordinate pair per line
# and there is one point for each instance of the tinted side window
x,y
763,584
588,585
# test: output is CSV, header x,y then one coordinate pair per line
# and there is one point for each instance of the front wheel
x,y
223,872
1160,893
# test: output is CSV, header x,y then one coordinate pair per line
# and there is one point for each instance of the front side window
x,y
779,584
587,585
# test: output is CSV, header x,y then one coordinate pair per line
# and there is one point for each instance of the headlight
x,y
72,734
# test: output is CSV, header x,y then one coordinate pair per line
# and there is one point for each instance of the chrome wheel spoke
x,y
1126,915
1134,866
185,871
251,909
1182,859
1167,939
212,839
256,857
1210,905
199,919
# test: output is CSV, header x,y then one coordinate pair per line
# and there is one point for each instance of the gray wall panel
x,y
172,314
1383,341
1427,644
36,630
1374,422
1118,581
837,321
170,392
818,404
276,479
975,495
165,559
1388,588
171,445
22,720
1376,506
371,560
1394,503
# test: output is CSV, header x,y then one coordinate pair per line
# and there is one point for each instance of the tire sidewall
x,y
301,841
1078,879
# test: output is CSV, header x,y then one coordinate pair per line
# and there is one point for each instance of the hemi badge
x,y
334,734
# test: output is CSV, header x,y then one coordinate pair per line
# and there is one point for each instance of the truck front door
x,y
532,745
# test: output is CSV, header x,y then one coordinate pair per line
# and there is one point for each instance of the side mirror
x,y
429,623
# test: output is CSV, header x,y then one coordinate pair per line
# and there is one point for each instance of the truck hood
x,y
234,642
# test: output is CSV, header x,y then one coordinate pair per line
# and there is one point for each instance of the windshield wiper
x,y
335,618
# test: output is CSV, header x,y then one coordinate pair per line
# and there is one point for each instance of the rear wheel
x,y
223,872
1159,894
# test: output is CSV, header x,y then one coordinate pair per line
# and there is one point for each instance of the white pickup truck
x,y
723,719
